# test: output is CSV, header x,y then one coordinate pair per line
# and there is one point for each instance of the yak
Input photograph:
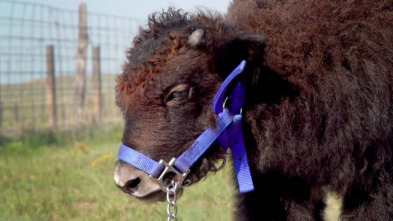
x,y
317,114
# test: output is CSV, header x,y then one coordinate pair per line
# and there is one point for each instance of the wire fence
x,y
26,29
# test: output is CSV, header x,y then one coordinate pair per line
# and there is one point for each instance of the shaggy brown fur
x,y
319,108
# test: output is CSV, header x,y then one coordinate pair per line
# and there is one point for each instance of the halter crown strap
x,y
203,142
227,132
233,137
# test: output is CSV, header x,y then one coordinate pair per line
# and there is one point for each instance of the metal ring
x,y
225,103
224,160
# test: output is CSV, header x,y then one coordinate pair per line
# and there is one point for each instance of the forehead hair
x,y
163,39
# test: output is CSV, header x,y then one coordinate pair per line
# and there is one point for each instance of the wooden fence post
x,y
1,116
51,87
16,112
97,85
80,83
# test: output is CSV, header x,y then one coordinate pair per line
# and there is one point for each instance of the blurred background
x,y
58,60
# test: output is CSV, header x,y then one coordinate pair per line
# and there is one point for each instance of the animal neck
x,y
264,86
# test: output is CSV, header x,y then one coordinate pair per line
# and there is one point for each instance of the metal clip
x,y
169,174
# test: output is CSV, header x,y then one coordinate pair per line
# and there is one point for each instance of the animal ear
x,y
267,86
228,54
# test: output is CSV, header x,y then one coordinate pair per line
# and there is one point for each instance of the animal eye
x,y
178,95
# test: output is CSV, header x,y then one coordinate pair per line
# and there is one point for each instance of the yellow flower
x,y
83,147
101,159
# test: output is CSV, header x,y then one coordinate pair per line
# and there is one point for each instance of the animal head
x,y
167,87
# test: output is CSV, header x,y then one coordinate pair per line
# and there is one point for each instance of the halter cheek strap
x,y
227,132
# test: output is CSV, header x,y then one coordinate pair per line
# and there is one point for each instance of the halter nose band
x,y
140,161
227,132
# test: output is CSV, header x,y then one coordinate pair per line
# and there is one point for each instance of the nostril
x,y
132,185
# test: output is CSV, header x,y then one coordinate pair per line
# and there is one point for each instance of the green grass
x,y
69,176
72,179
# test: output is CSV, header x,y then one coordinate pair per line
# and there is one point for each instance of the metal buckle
x,y
169,174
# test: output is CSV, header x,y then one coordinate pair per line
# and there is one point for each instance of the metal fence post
x,y
51,87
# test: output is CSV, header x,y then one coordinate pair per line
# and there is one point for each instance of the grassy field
x,y
24,105
44,177
69,176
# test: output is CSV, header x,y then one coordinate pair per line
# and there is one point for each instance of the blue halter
x,y
227,132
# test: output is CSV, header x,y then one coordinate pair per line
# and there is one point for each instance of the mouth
x,y
157,196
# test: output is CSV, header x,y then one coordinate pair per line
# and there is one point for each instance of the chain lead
x,y
171,208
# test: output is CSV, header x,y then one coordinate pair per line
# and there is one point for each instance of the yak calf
x,y
317,115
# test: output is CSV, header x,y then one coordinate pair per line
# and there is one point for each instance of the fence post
x,y
16,113
51,87
97,85
1,116
80,83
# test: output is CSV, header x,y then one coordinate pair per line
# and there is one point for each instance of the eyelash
x,y
179,95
